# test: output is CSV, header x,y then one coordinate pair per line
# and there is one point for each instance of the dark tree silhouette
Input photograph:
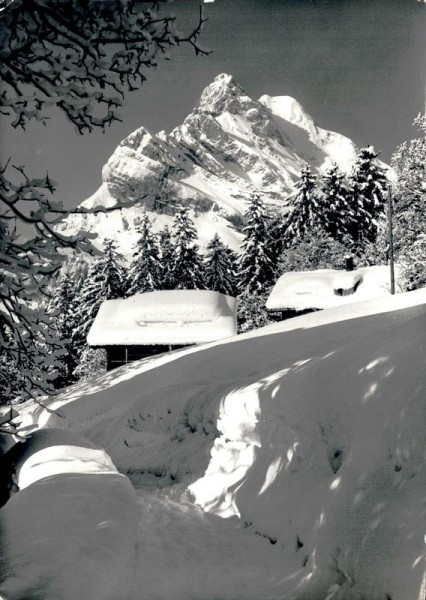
x,y
81,56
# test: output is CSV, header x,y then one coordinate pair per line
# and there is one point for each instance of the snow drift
x,y
306,437
70,530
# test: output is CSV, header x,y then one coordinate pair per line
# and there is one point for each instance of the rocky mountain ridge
x,y
228,147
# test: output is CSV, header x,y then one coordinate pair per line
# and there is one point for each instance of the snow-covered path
x,y
184,553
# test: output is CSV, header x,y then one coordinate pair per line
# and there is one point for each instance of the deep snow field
x,y
287,463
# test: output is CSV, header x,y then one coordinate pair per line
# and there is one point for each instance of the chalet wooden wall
x,y
121,355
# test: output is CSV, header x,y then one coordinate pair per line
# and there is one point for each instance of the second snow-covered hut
x,y
304,291
155,322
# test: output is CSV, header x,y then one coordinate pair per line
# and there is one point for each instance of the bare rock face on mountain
x,y
228,147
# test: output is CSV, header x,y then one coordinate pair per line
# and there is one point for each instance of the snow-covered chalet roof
x,y
171,317
328,288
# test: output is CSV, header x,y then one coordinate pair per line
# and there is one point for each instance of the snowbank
x,y
309,434
69,532
328,458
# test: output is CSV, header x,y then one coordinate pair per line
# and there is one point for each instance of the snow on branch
x,y
82,57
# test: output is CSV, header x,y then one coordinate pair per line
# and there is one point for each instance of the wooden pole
x,y
390,241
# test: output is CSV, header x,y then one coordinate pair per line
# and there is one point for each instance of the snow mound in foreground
x,y
70,530
310,433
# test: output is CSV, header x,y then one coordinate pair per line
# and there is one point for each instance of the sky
x,y
357,66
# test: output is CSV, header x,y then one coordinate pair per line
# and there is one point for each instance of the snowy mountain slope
x,y
329,146
309,433
228,147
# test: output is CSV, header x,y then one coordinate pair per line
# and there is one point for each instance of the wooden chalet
x,y
155,322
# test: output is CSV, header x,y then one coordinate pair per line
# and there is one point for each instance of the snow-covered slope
x,y
307,435
227,147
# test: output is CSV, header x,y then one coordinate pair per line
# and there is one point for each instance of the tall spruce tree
x,y
221,268
61,309
337,214
367,198
306,211
61,305
104,282
144,274
167,256
112,265
187,264
409,162
257,264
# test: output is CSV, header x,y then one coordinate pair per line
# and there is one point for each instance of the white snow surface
x,y
284,463
300,290
63,459
165,317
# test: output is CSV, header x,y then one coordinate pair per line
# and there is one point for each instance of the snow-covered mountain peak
x,y
219,91
229,147
224,95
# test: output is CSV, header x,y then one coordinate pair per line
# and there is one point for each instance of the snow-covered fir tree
x,y
93,361
257,262
167,256
144,274
61,305
409,162
114,273
61,309
306,210
221,268
105,281
367,198
337,215
188,265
